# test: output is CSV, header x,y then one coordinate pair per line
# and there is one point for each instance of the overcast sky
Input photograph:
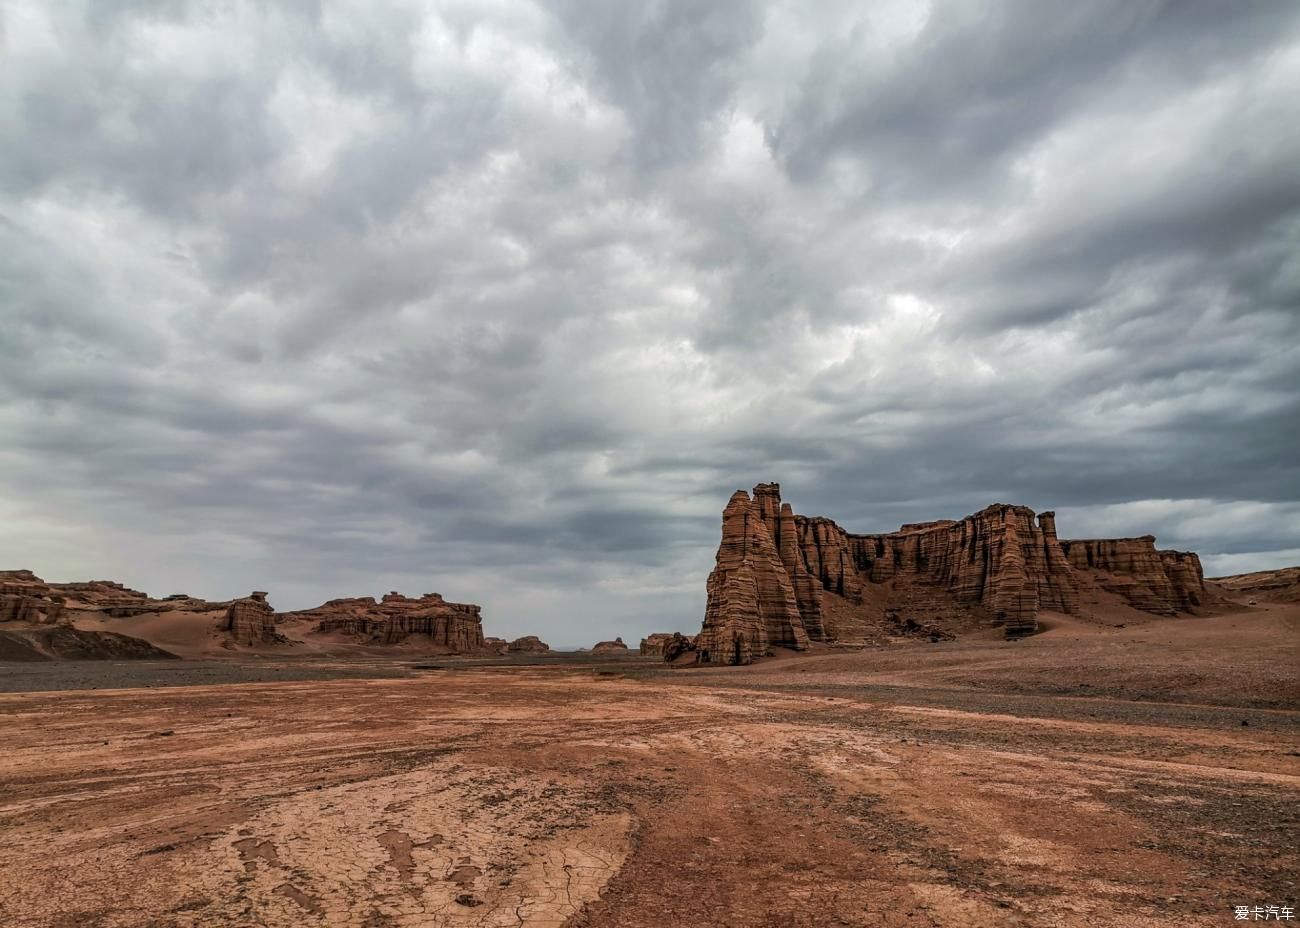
x,y
504,299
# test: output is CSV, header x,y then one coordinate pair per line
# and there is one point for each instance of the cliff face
x,y
26,598
22,593
251,621
1134,569
653,645
1183,568
784,580
40,628
455,626
751,604
1002,559
667,645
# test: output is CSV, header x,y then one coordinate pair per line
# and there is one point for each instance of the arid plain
x,y
1088,775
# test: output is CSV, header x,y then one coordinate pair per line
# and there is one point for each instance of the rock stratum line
x,y
784,580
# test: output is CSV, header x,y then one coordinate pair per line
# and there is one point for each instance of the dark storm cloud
x,y
505,299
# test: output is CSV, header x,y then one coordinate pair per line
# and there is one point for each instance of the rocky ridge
x,y
38,621
785,580
1266,586
457,627
248,622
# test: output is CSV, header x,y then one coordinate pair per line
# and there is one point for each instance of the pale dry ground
x,y
948,784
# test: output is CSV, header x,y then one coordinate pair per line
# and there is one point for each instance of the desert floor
x,y
1087,776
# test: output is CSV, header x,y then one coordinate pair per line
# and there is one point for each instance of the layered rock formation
x,y
784,580
529,644
39,628
1183,568
653,645
25,597
105,597
251,621
678,645
610,647
457,627
445,627
1130,567
1265,586
751,605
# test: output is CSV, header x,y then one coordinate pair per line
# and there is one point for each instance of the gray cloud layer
x,y
505,299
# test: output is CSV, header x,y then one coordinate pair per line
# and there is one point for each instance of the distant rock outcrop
x,y
1264,586
251,621
26,598
784,580
457,627
653,645
38,626
529,644
678,645
610,647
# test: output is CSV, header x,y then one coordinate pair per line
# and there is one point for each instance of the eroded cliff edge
x,y
786,580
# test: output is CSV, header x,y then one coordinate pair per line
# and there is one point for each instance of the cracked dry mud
x,y
815,792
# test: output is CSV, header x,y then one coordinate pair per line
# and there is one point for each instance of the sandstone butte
x,y
28,601
529,644
786,580
38,620
667,645
653,645
251,621
456,627
610,647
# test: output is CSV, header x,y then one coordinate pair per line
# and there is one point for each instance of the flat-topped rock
x,y
610,647
786,580
457,627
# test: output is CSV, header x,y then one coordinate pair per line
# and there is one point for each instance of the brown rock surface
x,y
65,642
26,598
1088,777
529,644
678,645
653,645
251,621
104,597
1183,568
610,647
784,580
751,605
667,645
457,627
1129,567
40,624
1266,586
